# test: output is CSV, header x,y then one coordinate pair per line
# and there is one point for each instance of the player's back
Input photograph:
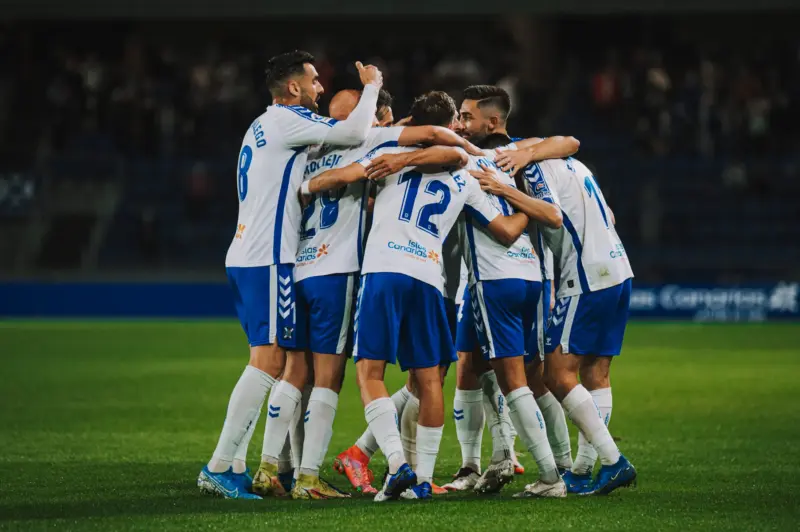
x,y
270,170
587,249
485,257
413,214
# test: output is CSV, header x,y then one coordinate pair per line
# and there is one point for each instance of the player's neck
x,y
286,101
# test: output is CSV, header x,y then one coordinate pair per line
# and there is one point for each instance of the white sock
x,y
470,418
318,429
297,430
587,456
367,442
428,440
246,400
381,417
530,426
557,430
494,405
581,409
240,458
284,401
408,431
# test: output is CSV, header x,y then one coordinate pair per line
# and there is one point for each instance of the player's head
x,y
435,108
484,111
292,79
344,101
494,140
383,111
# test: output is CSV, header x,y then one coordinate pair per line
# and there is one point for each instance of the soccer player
x,y
484,114
588,323
260,260
504,291
327,266
401,315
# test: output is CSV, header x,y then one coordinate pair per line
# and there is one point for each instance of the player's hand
x,y
403,122
472,149
370,75
385,165
511,161
488,181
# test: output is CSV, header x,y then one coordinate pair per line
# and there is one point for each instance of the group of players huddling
x,y
311,289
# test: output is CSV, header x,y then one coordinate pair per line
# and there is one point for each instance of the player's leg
x,y
594,374
331,298
428,345
381,305
468,411
554,418
577,330
284,403
255,296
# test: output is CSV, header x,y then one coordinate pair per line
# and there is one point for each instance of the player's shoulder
x,y
298,113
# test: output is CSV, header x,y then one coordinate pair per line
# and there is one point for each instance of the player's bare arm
x,y
507,229
391,163
536,149
333,179
536,209
436,135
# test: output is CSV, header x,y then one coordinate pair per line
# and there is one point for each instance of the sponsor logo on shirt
x,y
618,252
416,250
310,254
523,253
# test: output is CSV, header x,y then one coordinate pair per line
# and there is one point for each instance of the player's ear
x,y
293,88
494,122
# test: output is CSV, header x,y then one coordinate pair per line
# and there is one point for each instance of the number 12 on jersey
x,y
432,187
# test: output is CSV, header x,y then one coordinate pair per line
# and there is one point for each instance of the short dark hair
x,y
384,99
435,108
281,67
495,140
490,95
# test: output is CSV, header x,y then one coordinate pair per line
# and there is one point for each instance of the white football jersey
x,y
332,228
486,258
413,214
587,249
270,171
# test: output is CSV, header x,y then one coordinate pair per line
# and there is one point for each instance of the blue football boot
x,y
611,477
577,483
422,491
244,480
396,484
225,485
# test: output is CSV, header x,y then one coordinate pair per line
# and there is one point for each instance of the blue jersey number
x,y
592,189
433,188
328,216
245,160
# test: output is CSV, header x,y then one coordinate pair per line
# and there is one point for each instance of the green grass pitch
x,y
105,425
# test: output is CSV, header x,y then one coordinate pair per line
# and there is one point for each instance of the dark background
x,y
120,124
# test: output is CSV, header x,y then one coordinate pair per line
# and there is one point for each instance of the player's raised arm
x,y
437,135
537,209
355,129
391,163
536,149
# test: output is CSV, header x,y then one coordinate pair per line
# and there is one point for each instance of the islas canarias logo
x,y
416,250
524,253
312,253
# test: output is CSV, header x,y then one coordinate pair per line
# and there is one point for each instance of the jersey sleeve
x,y
302,127
383,137
538,179
477,204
